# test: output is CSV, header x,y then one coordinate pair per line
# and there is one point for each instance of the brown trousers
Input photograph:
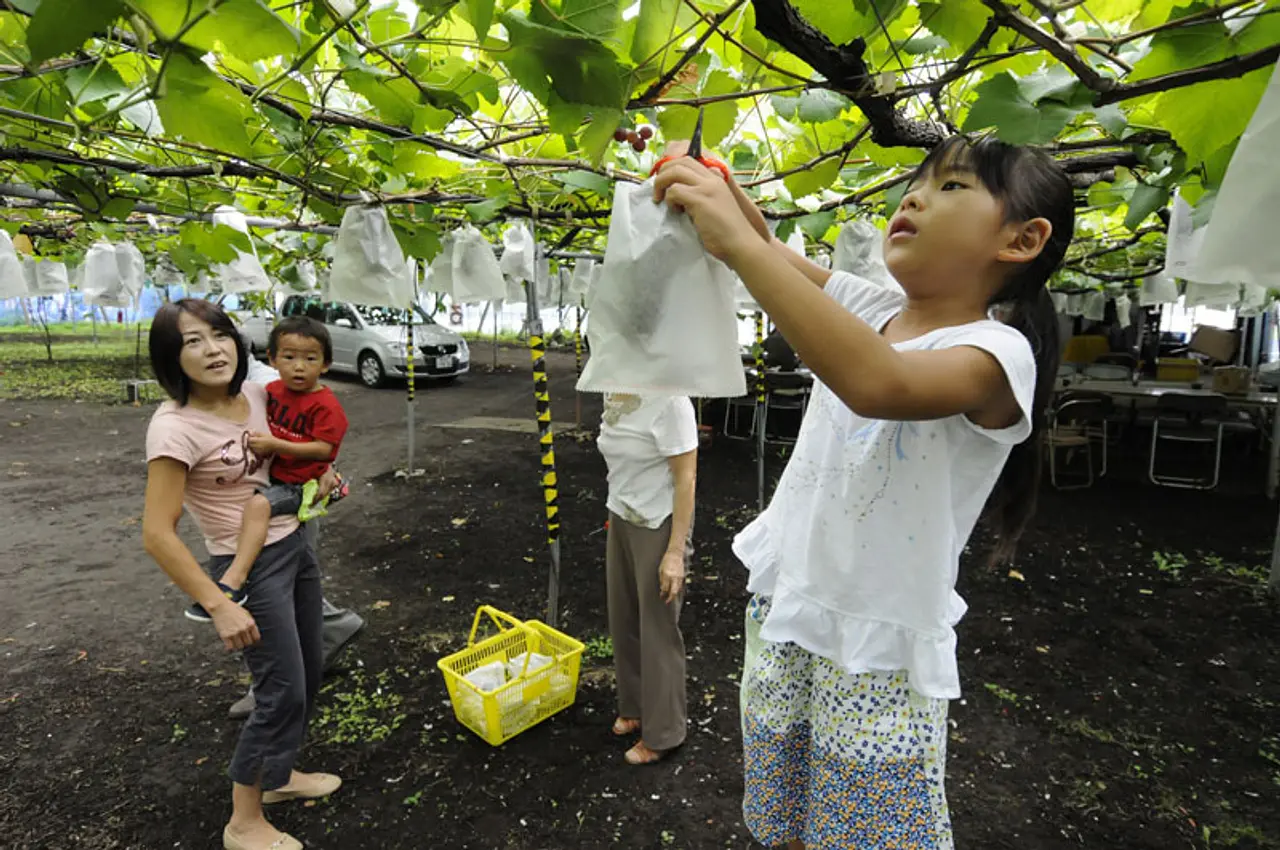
x,y
648,649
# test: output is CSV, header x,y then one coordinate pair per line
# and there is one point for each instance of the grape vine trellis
x,y
139,117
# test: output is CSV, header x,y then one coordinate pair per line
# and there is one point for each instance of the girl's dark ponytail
x,y
1031,186
1013,501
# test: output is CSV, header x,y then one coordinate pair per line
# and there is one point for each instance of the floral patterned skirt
x,y
836,760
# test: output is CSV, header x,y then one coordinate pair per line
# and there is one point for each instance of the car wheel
x,y
372,374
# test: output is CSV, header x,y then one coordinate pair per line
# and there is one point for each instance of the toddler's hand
x,y
262,444
328,481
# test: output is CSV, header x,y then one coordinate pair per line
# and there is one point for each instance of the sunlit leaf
x,y
481,15
199,107
246,28
818,105
62,26
1001,104
654,28
1145,200
90,83
812,179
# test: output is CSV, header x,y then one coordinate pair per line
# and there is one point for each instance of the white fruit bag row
x,y
466,269
112,275
13,279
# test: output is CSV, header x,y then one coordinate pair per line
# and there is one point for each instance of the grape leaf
x,y
199,107
1001,104
654,28
811,180
247,29
818,105
481,14
62,26
960,22
1143,202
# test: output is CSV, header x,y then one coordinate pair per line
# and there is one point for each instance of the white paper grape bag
x,y
542,278
112,274
594,283
245,273
1158,288
860,251
165,273
368,264
46,277
518,253
1239,244
13,281
475,274
440,273
662,317
580,282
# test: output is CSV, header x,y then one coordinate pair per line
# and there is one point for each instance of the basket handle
x,y
499,618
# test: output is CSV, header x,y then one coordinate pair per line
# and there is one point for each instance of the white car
x,y
369,342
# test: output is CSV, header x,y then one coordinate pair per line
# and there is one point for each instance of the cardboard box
x,y
1231,380
1179,369
1215,343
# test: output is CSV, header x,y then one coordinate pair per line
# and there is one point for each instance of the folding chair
x,y
1095,423
1071,427
1188,419
785,391
733,408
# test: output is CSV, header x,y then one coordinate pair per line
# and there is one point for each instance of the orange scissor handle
x,y
707,161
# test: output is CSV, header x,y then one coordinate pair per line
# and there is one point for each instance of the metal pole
x,y
409,400
577,365
550,487
759,416
1274,582
495,337
1142,332
409,358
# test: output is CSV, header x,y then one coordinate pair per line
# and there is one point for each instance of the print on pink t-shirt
x,y
222,471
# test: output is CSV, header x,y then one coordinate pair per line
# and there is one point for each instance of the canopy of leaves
x,y
124,118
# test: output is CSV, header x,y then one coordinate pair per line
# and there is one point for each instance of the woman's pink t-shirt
x,y
222,471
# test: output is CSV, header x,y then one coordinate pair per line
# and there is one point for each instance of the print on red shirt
x,y
304,418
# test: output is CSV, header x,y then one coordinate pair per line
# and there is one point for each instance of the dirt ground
x,y
1121,689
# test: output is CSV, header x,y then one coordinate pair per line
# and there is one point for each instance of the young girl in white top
x,y
926,411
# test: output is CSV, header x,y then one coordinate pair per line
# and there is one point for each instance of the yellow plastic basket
x,y
530,696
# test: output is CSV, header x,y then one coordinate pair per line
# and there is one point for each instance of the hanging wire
x,y
884,27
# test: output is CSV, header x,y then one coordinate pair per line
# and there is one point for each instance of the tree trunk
x,y
44,324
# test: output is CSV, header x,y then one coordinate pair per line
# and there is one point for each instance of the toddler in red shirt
x,y
307,426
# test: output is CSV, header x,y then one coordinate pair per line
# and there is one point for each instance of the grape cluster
x,y
636,138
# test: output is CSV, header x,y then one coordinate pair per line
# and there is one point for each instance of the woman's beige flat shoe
x,y
322,785
284,842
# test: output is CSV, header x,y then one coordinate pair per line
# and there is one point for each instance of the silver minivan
x,y
369,342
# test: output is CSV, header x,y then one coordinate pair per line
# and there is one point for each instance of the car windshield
x,y
390,315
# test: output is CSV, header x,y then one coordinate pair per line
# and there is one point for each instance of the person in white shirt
x,y
925,415
650,446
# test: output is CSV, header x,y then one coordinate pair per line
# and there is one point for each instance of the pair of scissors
x,y
695,151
